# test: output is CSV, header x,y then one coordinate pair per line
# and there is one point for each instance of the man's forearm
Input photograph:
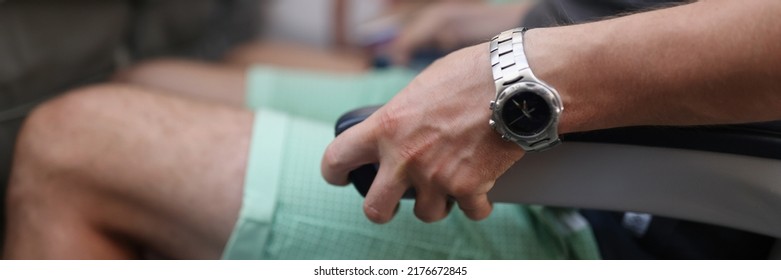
x,y
704,63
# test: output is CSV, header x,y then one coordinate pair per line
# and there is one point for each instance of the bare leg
x,y
288,55
218,83
226,83
114,172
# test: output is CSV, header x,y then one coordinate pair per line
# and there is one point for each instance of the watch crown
x,y
492,105
492,123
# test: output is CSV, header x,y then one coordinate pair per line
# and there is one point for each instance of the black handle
x,y
363,177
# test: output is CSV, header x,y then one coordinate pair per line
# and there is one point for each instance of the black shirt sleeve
x,y
565,12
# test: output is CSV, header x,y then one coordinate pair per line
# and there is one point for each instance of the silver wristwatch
x,y
526,111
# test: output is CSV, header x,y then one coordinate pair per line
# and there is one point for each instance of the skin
x,y
288,55
710,62
215,83
140,157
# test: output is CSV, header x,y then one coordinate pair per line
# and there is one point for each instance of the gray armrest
x,y
731,190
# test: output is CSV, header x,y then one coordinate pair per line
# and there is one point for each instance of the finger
x,y
431,206
476,207
385,193
351,149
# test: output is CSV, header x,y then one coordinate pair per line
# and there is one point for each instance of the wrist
x,y
556,56
480,91
478,66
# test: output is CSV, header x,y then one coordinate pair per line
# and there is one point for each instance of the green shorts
x,y
290,212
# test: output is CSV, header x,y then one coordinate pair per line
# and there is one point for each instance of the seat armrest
x,y
738,191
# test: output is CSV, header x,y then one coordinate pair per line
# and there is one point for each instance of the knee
x,y
54,133
50,150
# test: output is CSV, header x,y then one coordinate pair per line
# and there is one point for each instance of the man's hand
x,y
434,136
613,73
452,25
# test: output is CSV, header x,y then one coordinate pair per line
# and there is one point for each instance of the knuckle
x,y
440,178
331,158
461,188
330,169
389,123
390,128
414,151
410,153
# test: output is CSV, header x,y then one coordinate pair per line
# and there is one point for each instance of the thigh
x,y
167,172
226,83
296,56
219,83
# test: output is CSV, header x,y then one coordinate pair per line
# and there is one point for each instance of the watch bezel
x,y
528,142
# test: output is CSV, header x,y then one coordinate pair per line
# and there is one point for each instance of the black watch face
x,y
526,113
